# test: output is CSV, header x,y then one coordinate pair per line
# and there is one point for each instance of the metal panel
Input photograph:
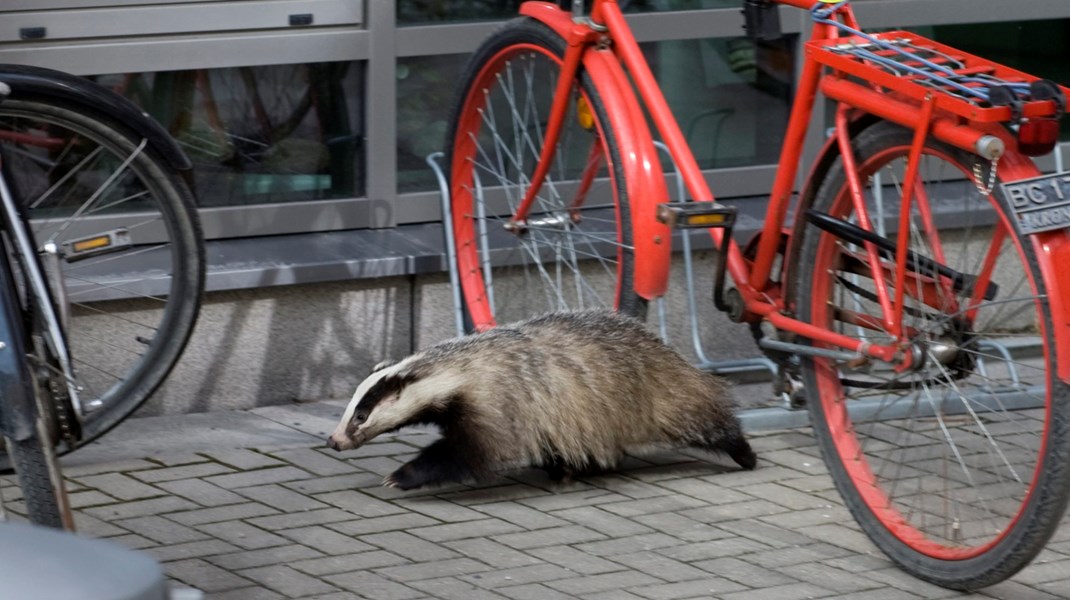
x,y
174,19
381,110
907,13
192,52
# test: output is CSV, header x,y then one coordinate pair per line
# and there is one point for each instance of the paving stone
x,y
140,508
880,594
733,546
840,535
84,499
243,460
586,497
1045,572
650,506
797,519
79,471
611,595
503,494
454,567
359,503
538,573
325,540
660,566
745,573
622,580
198,549
380,465
763,474
860,563
783,495
447,512
681,527
709,492
302,519
409,546
174,459
468,529
243,534
770,535
133,541
601,521
521,515
370,585
795,591
352,481
283,499
120,486
782,557
575,560
201,492
401,522
905,582
731,512
93,527
161,530
347,563
532,591
259,477
249,593
315,461
267,556
492,553
571,534
223,513
698,588
288,581
829,578
204,469
449,588
626,486
204,576
635,543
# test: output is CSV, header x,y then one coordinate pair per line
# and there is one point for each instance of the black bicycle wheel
x,y
575,249
38,490
116,233
957,467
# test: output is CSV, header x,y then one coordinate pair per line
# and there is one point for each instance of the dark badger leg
x,y
730,440
444,461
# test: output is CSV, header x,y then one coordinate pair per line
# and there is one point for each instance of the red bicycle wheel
x,y
956,467
574,250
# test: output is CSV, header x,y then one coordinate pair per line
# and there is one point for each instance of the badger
x,y
567,392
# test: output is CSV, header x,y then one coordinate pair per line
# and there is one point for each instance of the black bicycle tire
x,y
1045,507
31,466
525,30
178,210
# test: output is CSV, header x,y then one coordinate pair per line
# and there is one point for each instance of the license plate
x,y
1040,204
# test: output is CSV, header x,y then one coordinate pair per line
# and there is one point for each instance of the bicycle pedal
x,y
694,215
105,242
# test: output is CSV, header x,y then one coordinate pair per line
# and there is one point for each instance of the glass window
x,y
426,86
268,134
411,12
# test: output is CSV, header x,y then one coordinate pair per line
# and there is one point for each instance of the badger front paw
x,y
405,478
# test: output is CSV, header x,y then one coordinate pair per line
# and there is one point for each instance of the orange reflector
x,y
710,220
584,114
94,243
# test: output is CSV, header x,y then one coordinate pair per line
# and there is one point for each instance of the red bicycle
x,y
918,295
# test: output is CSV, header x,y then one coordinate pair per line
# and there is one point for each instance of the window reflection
x,y
278,133
411,12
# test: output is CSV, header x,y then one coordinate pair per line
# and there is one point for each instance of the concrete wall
x,y
276,345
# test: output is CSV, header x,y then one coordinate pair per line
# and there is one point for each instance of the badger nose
x,y
332,443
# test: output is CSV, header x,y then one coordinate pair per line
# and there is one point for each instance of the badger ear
x,y
382,365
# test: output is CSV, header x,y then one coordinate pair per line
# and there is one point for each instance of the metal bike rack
x,y
722,367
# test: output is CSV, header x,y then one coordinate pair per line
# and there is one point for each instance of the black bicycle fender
x,y
37,81
18,408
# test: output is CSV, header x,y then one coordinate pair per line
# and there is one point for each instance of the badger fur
x,y
568,392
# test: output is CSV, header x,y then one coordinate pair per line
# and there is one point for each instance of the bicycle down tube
x,y
606,32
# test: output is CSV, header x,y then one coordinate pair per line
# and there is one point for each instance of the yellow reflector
x,y
94,243
584,114
714,219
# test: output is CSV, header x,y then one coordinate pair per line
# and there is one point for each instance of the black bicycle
x,y
103,274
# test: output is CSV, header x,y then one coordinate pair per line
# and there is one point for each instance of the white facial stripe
x,y
362,389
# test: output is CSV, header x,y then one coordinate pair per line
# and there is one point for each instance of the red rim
x,y
461,194
841,428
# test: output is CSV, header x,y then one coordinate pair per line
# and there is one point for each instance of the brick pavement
x,y
252,507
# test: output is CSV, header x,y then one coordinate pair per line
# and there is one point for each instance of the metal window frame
x,y
379,42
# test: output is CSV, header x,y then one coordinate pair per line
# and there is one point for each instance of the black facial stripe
x,y
383,388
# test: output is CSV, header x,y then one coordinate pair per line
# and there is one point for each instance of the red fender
x,y
643,176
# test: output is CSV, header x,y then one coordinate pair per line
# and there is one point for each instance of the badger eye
x,y
361,417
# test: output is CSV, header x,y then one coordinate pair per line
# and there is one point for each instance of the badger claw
x,y
390,482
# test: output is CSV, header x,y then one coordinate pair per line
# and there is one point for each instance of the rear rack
x,y
914,66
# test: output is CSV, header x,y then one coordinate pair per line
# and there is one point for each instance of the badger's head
x,y
393,396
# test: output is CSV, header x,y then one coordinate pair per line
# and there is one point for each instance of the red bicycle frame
x,y
607,50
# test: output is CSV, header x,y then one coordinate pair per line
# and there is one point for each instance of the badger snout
x,y
333,444
339,442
